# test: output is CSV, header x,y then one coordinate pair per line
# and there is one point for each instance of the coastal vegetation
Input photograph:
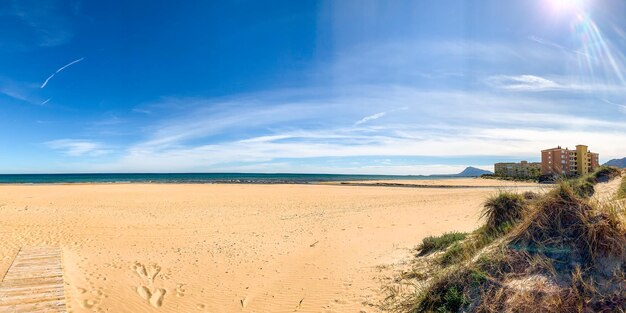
x,y
555,252
504,209
437,243
600,174
621,191
583,186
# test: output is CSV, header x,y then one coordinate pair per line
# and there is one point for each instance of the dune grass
x,y
565,225
583,186
558,253
606,173
621,191
432,244
504,208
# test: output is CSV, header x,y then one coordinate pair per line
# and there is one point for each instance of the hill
x,y
621,163
472,172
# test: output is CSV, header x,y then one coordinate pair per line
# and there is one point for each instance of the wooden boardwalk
x,y
34,282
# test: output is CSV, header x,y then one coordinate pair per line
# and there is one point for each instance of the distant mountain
x,y
472,172
621,163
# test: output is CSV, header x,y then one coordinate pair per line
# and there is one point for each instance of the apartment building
x,y
559,161
522,169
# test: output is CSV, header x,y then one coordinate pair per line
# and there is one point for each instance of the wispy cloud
x,y
523,83
370,118
25,92
48,24
271,131
534,83
78,147
445,123
558,46
620,107
59,70
15,93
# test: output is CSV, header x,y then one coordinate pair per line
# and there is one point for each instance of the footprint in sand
x,y
87,304
180,291
157,298
94,297
153,271
144,292
154,298
148,273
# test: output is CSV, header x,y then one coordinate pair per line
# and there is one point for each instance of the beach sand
x,y
229,248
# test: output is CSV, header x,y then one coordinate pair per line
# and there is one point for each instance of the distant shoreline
x,y
402,185
201,178
432,183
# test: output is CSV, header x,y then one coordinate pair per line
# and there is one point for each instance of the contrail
x,y
46,101
59,70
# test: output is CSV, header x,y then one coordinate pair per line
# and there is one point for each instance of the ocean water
x,y
234,178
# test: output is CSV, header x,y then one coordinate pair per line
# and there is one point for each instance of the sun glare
x,y
566,5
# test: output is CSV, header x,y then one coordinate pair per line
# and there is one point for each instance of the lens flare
x,y
600,62
596,54
566,5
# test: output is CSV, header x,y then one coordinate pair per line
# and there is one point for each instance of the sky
x,y
350,86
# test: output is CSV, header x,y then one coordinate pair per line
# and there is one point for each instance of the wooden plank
x,y
34,282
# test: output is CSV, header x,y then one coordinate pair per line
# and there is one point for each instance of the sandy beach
x,y
230,248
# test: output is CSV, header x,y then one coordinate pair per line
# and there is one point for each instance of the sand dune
x,y
227,248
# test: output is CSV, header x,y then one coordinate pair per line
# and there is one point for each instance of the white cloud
x,y
522,143
263,129
523,83
77,147
211,136
370,118
533,83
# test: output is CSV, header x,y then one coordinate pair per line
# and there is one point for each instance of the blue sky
x,y
380,87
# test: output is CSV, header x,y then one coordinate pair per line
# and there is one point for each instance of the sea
x,y
207,178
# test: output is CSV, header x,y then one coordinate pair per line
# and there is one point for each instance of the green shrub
x,y
583,187
449,292
606,173
480,238
453,301
437,243
456,253
477,277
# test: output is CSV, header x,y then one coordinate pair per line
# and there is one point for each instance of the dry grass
x,y
606,173
504,208
584,186
568,228
621,192
432,244
565,255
